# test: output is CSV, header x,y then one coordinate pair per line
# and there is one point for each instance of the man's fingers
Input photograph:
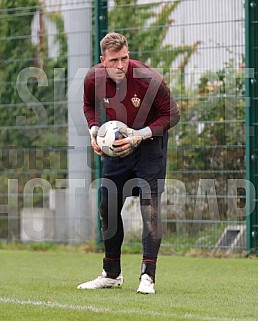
x,y
96,148
98,152
123,149
94,144
121,142
120,148
125,146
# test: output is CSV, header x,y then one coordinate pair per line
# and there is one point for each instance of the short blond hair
x,y
113,41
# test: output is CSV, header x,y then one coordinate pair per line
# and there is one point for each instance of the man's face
x,y
116,63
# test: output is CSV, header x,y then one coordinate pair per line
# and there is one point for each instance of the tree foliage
x,y
146,27
23,100
208,142
27,91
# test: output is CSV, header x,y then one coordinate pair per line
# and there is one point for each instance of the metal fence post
x,y
101,23
251,63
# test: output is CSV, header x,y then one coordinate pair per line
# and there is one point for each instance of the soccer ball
x,y
107,134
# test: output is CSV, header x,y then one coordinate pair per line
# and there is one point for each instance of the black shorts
x,y
143,171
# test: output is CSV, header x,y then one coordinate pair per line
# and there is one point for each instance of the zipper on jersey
x,y
118,92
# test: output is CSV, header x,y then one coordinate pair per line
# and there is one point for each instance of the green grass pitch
x,y
41,286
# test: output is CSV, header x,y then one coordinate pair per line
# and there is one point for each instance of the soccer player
x,y
129,91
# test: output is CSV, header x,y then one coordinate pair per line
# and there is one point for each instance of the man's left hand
x,y
125,146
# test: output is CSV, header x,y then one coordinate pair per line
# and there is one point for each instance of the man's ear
x,y
102,59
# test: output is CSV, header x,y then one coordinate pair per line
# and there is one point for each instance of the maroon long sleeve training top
x,y
141,99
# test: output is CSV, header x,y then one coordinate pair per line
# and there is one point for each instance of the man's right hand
x,y
93,135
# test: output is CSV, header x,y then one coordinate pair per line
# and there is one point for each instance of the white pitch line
x,y
125,311
54,305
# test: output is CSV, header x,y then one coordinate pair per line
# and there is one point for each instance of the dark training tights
x,y
113,230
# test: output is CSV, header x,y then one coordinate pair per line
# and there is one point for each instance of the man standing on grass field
x,y
129,91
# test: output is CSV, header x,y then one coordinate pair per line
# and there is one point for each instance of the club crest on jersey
x,y
136,101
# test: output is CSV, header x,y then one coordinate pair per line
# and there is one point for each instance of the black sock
x,y
149,267
112,267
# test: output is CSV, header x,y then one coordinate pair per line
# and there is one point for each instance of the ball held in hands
x,y
108,133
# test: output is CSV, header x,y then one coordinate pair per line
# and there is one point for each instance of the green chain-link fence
x,y
200,49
